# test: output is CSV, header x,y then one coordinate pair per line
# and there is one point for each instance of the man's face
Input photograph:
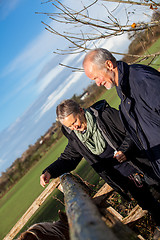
x,y
103,77
76,122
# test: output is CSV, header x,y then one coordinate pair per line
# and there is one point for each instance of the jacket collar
x,y
98,107
68,130
123,77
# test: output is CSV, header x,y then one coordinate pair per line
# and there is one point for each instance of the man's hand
x,y
120,156
44,178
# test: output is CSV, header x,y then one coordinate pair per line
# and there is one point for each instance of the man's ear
x,y
109,65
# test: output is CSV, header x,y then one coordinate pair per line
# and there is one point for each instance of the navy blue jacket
x,y
139,91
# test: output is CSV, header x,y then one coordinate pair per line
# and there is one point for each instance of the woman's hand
x,y
120,156
44,178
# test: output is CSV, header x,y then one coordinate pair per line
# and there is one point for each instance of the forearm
x,y
128,147
60,167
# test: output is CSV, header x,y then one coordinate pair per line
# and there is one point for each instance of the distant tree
x,y
141,40
156,16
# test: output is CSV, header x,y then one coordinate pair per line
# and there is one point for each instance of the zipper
x,y
104,133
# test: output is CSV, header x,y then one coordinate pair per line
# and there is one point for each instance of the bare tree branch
x,y
83,31
145,3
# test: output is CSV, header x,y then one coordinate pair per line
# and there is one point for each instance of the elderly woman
x,y
97,134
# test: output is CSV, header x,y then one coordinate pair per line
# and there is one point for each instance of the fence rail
x,y
32,209
84,218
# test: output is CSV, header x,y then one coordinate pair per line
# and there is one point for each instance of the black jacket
x,y
108,168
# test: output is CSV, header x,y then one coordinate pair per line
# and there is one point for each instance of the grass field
x,y
20,197
154,48
14,204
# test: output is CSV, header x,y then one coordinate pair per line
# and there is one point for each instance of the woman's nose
x,y
75,127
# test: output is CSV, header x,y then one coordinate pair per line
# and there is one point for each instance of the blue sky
x,y
31,81
19,26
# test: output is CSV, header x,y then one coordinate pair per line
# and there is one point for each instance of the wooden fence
x,y
84,218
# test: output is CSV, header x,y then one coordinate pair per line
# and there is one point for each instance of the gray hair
x,y
65,108
99,56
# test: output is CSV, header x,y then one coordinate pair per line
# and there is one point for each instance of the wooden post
x,y
84,218
85,221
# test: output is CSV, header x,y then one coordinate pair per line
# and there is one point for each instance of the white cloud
x,y
25,79
58,93
36,51
12,126
117,44
54,72
49,77
1,160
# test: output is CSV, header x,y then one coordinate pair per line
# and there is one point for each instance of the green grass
x,y
111,97
153,49
48,211
15,203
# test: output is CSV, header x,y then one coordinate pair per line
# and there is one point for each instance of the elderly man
x,y
138,87
95,134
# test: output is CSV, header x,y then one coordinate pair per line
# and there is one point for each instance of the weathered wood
x,y
135,214
105,189
115,213
84,218
113,218
140,237
122,231
101,195
32,209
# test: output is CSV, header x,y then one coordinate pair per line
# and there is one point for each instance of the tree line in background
x,y
141,40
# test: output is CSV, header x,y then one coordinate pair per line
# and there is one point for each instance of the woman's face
x,y
76,122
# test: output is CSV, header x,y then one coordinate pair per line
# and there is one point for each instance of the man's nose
x,y
98,82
